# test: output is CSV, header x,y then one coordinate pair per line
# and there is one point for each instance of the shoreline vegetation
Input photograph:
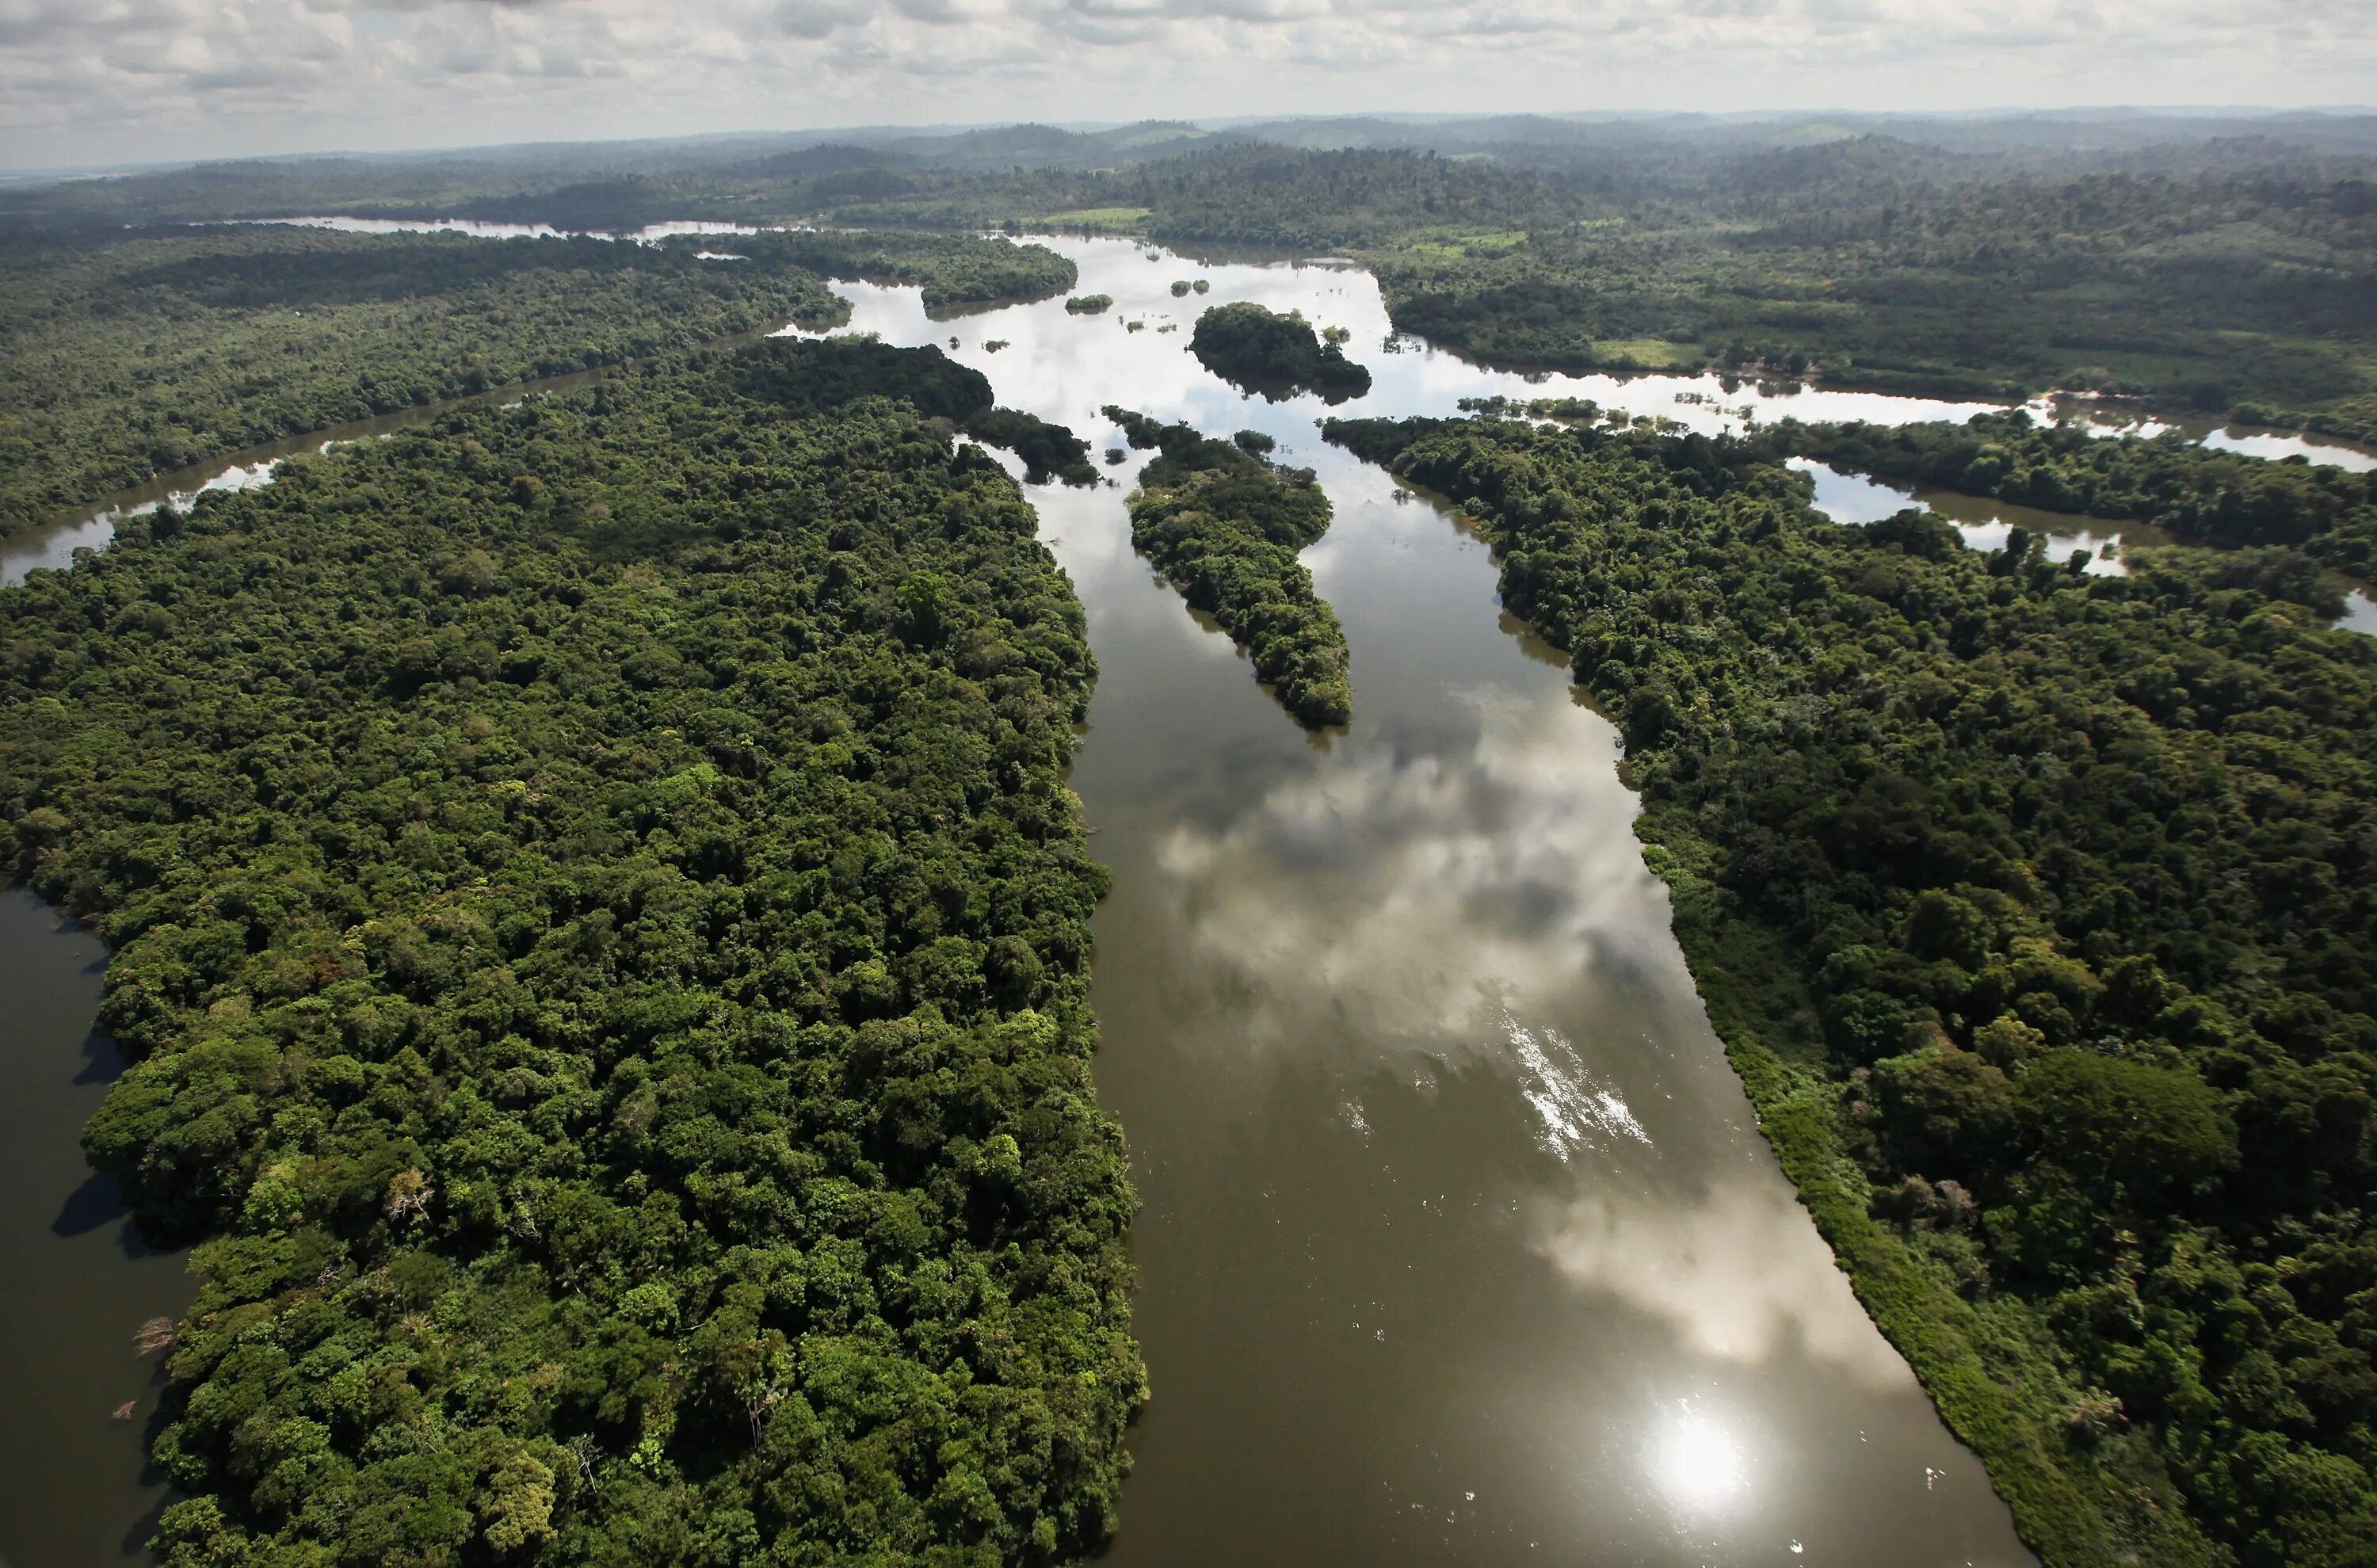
x,y
2196,494
1225,525
602,937
1997,962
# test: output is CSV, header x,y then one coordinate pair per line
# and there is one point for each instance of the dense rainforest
x,y
2196,494
1226,525
1279,356
2206,265
131,354
1870,263
2035,911
601,935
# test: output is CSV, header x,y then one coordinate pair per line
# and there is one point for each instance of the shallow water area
x,y
2249,440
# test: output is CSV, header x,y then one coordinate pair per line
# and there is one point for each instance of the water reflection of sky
x,y
1461,1243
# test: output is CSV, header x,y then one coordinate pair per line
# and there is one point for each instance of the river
x,y
80,1282
1460,1244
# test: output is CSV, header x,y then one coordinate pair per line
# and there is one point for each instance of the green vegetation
x,y
2209,278
1114,219
602,937
138,356
829,375
2197,495
1089,304
131,355
2208,265
1225,527
950,270
1280,356
2034,910
1866,262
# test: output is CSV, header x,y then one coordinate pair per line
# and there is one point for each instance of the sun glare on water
x,y
1697,1462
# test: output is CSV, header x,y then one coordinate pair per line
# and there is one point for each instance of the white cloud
x,y
90,81
1739,1272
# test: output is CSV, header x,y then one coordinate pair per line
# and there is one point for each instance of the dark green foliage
x,y
1329,201
1145,433
949,270
139,354
135,356
809,375
2046,901
603,938
1046,449
2195,494
1863,262
1089,304
1279,356
1226,527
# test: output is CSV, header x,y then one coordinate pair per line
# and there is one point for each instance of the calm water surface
x,y
1460,1245
78,1281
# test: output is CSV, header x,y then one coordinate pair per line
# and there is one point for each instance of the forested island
x,y
1226,525
2033,910
602,934
1279,356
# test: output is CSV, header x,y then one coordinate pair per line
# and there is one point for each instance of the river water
x,y
1460,1244
80,1282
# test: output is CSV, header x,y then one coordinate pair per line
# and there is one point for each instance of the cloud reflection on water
x,y
1739,1272
1437,885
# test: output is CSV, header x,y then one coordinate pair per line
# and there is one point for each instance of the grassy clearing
x,y
1112,218
1648,354
1447,244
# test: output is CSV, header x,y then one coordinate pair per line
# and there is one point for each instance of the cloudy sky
x,y
98,81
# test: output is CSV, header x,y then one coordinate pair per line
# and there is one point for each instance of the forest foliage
x,y
2229,272
136,354
602,938
1280,356
1864,262
1226,525
2037,909
2196,494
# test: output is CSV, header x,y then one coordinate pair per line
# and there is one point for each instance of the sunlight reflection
x,y
1697,1463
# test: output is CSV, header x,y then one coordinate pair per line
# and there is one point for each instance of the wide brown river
x,y
1461,1244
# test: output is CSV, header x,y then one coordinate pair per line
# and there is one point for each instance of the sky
x,y
94,82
